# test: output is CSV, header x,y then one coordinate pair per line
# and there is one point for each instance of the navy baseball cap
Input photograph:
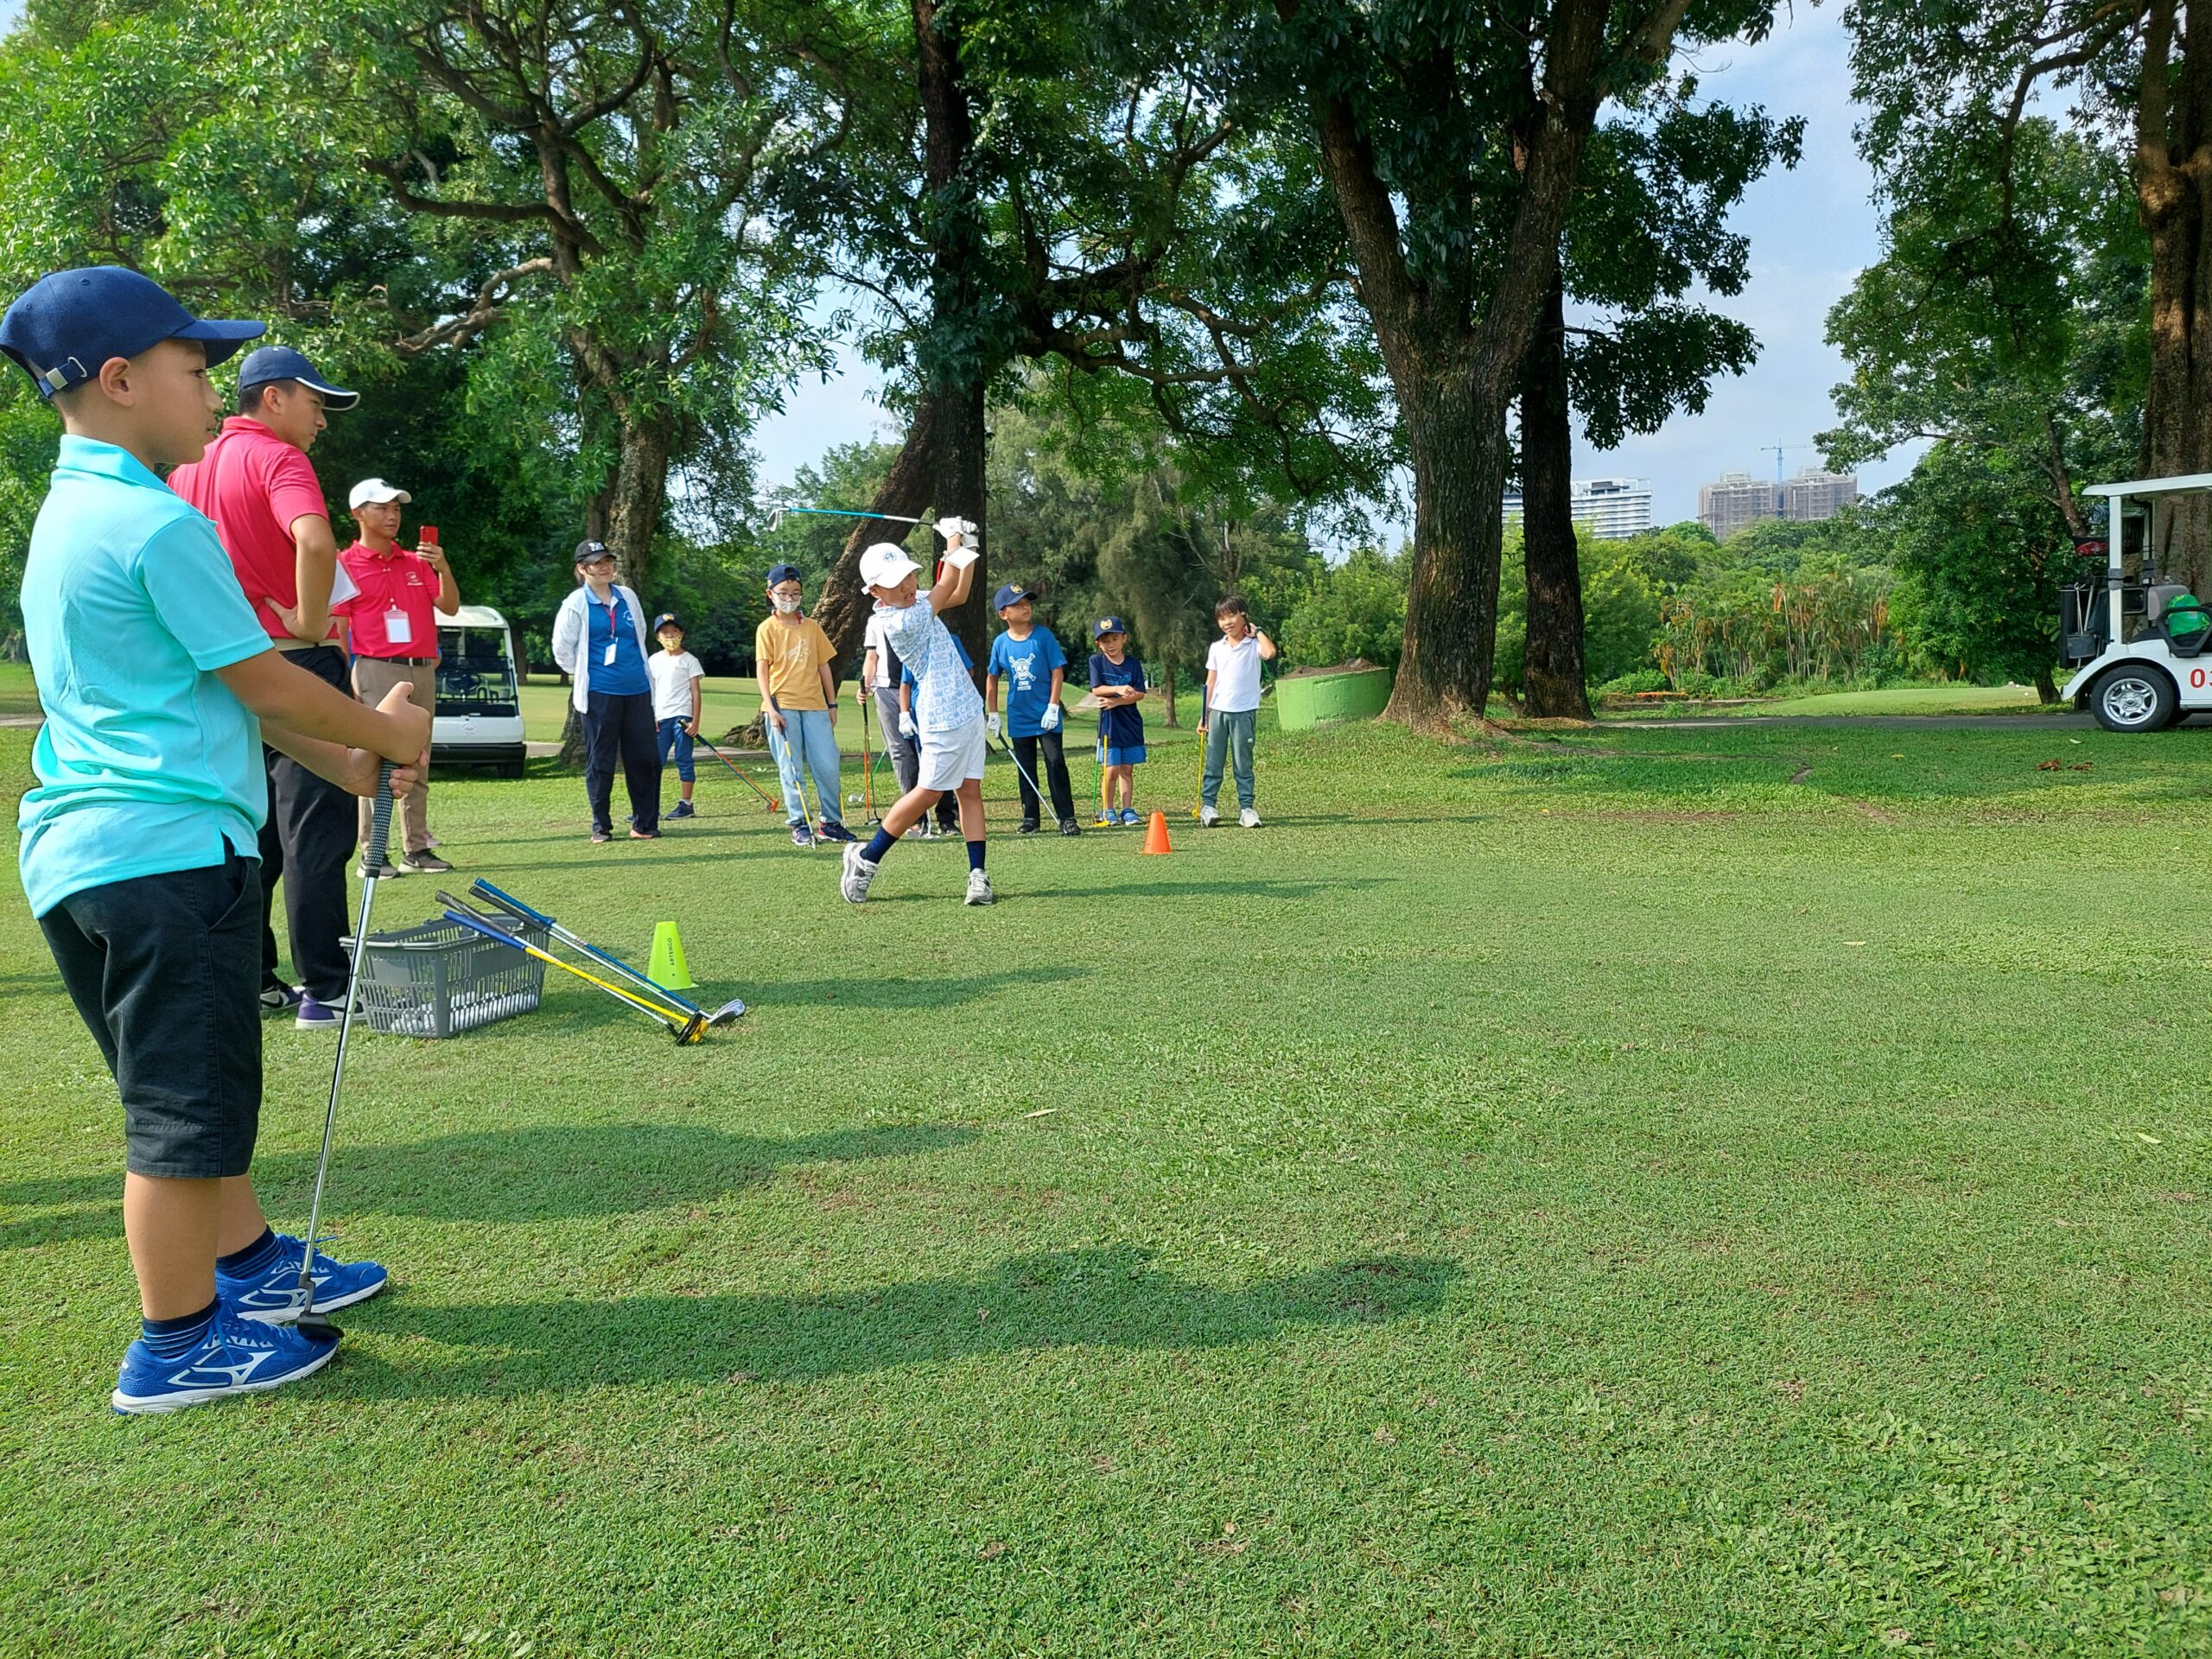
x,y
1013,593
588,551
1108,625
667,620
784,573
67,324
274,363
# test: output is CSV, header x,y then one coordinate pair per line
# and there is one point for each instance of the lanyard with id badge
x,y
613,623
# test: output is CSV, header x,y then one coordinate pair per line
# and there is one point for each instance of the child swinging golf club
x,y
948,711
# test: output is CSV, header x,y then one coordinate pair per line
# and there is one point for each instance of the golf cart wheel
x,y
2133,699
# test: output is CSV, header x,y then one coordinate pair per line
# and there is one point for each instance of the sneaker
x,y
236,1356
1069,827
426,863
1248,818
273,1297
801,836
1130,819
383,872
682,809
858,874
1028,827
979,889
645,835
832,830
601,837
277,997
312,1015
1208,817
919,832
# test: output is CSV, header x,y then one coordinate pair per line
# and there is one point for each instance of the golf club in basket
x,y
522,912
316,1326
684,1027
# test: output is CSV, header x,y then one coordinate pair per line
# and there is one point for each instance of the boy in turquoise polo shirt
x,y
139,842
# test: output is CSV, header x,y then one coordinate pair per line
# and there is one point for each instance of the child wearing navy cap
x,y
675,674
1117,680
1028,659
139,850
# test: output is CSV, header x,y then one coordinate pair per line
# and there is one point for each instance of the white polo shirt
x,y
1235,670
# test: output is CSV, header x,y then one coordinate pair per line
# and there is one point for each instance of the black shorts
x,y
166,971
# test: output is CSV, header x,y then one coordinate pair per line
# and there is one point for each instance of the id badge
x,y
608,661
397,629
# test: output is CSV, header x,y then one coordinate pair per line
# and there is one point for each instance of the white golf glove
x,y
991,722
906,722
1050,720
949,528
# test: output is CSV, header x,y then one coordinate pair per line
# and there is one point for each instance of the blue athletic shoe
x,y
314,1016
272,1297
235,1357
1130,819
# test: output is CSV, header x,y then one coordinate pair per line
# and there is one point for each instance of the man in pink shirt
x,y
256,483
393,622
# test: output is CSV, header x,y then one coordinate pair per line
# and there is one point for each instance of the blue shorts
x,y
1125,755
674,738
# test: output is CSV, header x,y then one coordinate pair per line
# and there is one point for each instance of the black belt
x,y
403,662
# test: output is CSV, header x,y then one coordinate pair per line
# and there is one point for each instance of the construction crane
x,y
1775,449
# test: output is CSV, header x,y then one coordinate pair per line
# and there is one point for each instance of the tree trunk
x,y
952,357
1167,692
1553,677
2173,132
1456,434
2046,687
634,497
572,741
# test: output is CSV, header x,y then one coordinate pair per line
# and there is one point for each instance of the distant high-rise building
x,y
1609,508
1816,494
1612,507
1737,499
1733,501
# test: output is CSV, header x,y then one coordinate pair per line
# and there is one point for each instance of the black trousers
x,y
620,728
308,838
1056,776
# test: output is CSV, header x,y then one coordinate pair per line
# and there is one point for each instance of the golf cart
x,y
478,721
2137,638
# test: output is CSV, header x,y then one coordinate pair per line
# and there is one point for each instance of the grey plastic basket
x,y
438,978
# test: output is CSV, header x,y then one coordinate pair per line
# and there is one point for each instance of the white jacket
x,y
571,629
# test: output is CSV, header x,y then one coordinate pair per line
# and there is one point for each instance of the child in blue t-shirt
x,y
1029,660
140,851
1117,680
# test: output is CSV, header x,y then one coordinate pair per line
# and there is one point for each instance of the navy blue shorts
x,y
166,971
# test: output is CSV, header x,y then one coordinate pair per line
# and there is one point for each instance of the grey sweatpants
x,y
1229,737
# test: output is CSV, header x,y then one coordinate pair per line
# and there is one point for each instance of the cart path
x,y
1907,722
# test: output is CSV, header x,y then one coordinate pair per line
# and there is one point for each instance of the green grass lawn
x,y
1731,1191
18,696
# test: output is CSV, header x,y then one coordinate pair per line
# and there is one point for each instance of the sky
x,y
1811,231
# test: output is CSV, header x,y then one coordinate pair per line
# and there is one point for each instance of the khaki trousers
x,y
372,678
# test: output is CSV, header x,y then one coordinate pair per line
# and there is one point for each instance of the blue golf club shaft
x,y
605,958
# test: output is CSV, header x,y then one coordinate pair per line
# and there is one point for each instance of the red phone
x,y
427,533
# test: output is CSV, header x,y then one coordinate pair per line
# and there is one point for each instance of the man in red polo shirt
x,y
394,625
256,483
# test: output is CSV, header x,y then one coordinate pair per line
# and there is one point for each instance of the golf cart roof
x,y
473,616
2188,484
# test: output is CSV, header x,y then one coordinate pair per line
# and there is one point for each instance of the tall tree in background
x,y
1649,225
2007,323
1452,136
1953,94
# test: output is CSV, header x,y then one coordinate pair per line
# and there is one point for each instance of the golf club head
x,y
316,1327
732,1010
775,517
503,922
693,1030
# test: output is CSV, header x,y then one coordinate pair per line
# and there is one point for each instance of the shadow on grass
x,y
1257,888
1106,1299
503,1175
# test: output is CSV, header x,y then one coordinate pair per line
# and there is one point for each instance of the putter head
x,y
729,1011
693,1030
315,1327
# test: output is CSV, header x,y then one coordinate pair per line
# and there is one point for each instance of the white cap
x,y
374,492
886,565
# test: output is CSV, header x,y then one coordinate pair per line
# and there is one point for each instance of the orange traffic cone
x,y
1155,839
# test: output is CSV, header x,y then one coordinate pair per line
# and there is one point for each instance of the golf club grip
x,y
380,819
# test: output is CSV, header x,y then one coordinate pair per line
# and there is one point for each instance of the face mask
x,y
786,606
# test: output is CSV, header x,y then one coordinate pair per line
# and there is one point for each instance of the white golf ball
x,y
852,800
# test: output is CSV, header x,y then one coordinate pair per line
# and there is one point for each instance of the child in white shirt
x,y
675,674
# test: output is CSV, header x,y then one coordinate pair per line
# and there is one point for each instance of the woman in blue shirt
x,y
598,640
